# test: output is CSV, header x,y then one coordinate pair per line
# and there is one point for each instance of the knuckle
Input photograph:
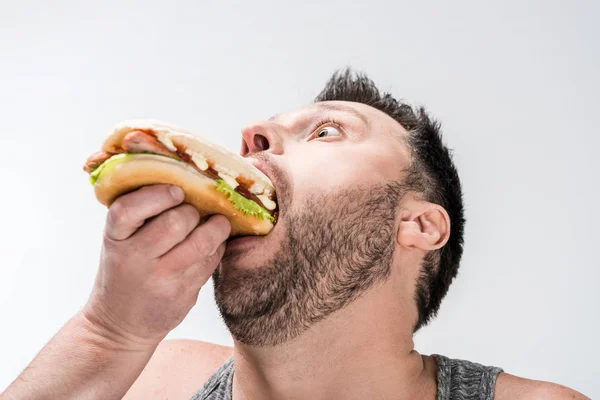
x,y
175,222
189,215
203,246
154,190
220,250
110,245
210,261
159,194
215,258
222,226
180,220
118,213
192,214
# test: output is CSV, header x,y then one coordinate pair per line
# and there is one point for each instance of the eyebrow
x,y
345,109
336,107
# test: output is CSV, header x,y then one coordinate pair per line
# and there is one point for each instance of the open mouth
x,y
246,242
267,170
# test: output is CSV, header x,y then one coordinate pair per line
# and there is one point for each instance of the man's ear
x,y
424,225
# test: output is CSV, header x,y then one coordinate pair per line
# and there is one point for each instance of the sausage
x,y
95,160
141,142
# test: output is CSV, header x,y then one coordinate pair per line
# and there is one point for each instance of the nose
x,y
261,136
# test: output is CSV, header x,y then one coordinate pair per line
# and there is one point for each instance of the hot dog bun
x,y
181,158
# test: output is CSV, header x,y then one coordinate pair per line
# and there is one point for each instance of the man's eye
x,y
328,131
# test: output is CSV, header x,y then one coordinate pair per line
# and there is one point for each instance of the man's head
x,y
365,186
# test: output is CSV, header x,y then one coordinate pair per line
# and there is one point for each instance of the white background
x,y
515,84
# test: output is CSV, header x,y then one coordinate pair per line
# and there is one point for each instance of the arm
x,y
155,258
515,388
83,362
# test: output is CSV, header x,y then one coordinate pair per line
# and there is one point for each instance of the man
x,y
325,307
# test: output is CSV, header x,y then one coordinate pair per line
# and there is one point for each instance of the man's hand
x,y
155,258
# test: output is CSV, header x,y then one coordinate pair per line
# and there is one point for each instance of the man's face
x,y
336,167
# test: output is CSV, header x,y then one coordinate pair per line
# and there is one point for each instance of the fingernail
x,y
177,193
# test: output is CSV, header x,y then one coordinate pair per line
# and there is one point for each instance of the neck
x,y
364,350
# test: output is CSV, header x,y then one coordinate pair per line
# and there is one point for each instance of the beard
x,y
336,246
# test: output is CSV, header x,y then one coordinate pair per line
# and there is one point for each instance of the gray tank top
x,y
456,380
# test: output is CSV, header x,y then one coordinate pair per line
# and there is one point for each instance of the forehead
x,y
372,118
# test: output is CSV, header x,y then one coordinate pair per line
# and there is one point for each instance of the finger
x,y
162,233
199,272
130,211
202,243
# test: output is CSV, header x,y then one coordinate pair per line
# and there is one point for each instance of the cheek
x,y
320,166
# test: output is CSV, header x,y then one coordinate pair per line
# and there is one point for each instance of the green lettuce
x,y
248,207
107,165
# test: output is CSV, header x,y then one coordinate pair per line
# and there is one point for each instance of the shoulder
x,y
513,387
459,375
178,368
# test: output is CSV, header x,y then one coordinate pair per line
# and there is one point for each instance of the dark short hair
x,y
431,173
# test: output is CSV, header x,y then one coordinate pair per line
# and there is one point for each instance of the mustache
x,y
282,180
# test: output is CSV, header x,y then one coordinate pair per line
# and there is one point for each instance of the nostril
x,y
245,149
261,142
